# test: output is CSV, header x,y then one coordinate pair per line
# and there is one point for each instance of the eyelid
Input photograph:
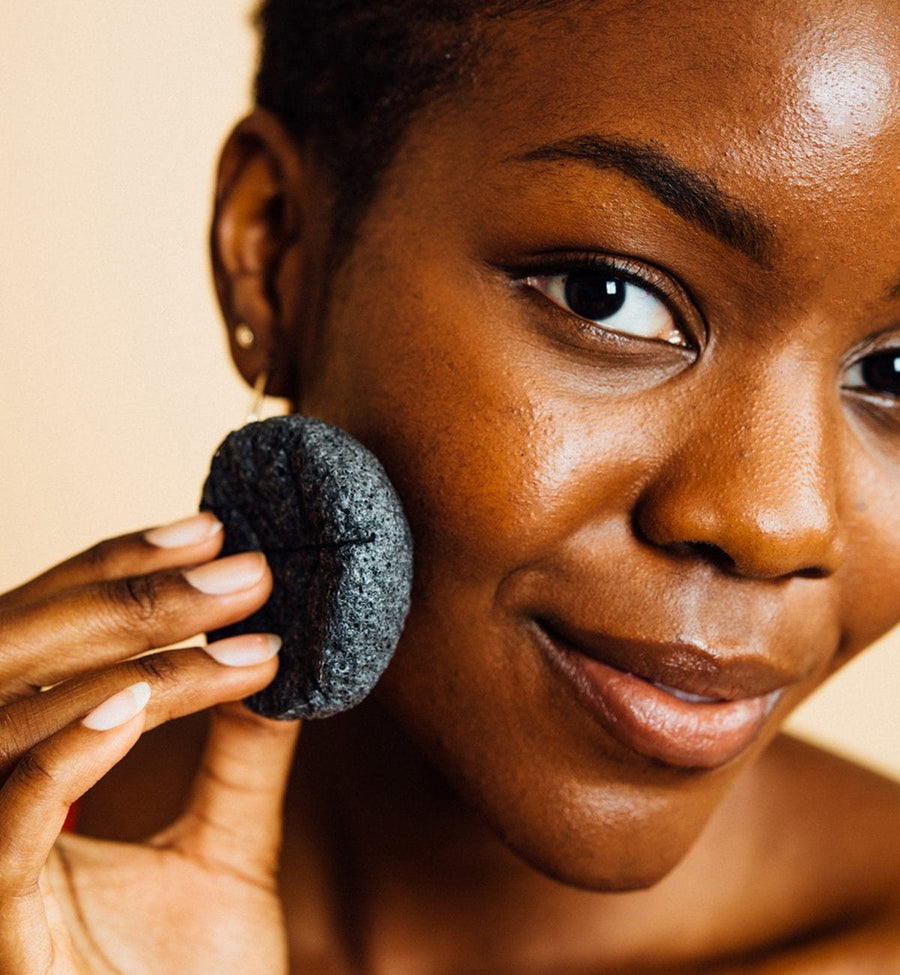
x,y
652,279
883,342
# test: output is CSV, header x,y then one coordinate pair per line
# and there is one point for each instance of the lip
x,y
674,703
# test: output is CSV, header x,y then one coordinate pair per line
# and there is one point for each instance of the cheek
x,y
495,463
498,468
870,594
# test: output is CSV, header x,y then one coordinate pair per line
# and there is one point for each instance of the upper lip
x,y
687,666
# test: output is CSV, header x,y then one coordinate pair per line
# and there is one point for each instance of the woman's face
x,y
624,326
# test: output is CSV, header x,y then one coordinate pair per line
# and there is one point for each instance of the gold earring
x,y
259,394
244,336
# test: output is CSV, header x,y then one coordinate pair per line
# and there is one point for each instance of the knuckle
x,y
19,889
102,559
158,668
138,598
142,596
33,772
10,739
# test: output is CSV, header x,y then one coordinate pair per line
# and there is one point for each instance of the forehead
x,y
828,69
791,107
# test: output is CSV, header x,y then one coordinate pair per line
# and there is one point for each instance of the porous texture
x,y
331,525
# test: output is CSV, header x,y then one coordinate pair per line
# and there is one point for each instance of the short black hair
x,y
345,76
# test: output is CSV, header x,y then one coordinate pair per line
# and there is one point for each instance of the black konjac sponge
x,y
331,525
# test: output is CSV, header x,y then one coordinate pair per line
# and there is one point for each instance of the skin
x,y
735,491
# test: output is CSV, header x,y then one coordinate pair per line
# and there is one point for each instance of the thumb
x,y
234,815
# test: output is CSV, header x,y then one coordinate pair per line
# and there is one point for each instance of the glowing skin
x,y
708,495
703,496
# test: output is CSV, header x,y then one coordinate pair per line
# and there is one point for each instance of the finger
x,y
33,806
96,625
181,681
190,540
234,816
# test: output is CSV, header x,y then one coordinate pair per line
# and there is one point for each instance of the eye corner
x,y
681,341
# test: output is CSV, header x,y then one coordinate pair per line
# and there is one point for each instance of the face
x,y
622,325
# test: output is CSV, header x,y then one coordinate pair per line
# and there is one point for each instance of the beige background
x,y
115,383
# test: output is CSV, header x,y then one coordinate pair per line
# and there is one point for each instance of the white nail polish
x,y
245,650
232,574
119,708
186,531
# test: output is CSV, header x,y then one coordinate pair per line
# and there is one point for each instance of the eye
x,y
879,373
611,300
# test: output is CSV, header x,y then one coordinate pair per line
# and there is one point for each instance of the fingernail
x,y
242,651
227,575
119,708
185,531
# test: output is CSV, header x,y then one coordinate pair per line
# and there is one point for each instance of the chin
x,y
619,882
568,801
602,871
587,852
606,835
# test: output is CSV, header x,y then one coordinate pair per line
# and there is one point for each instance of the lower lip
x,y
655,723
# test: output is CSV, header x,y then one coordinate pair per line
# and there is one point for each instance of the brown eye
x,y
595,297
612,302
879,372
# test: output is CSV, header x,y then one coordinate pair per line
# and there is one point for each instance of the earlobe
x,y
255,234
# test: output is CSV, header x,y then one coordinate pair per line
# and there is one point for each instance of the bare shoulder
x,y
844,816
820,840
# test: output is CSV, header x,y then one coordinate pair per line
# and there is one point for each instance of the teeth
x,y
686,695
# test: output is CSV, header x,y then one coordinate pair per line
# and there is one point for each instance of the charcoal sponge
x,y
331,525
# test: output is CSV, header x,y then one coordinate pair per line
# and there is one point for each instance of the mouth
x,y
674,703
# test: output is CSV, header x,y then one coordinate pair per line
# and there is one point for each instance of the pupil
x,y
882,372
594,296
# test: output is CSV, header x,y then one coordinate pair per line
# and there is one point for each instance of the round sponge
x,y
321,508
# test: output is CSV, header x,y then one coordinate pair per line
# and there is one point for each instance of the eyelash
x,y
640,275
674,297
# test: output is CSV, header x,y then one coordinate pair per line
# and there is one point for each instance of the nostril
x,y
714,555
707,552
737,534
813,573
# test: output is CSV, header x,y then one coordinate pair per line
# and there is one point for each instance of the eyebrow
x,y
691,194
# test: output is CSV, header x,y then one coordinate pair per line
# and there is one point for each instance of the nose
x,y
752,484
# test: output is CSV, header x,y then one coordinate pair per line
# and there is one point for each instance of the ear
x,y
269,230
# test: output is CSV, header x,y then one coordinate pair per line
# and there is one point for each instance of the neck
x,y
387,869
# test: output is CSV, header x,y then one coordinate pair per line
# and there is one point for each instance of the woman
x,y
625,337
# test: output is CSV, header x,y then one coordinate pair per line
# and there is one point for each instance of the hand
x,y
201,897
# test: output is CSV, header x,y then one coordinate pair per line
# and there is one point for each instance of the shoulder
x,y
830,824
843,817
819,840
